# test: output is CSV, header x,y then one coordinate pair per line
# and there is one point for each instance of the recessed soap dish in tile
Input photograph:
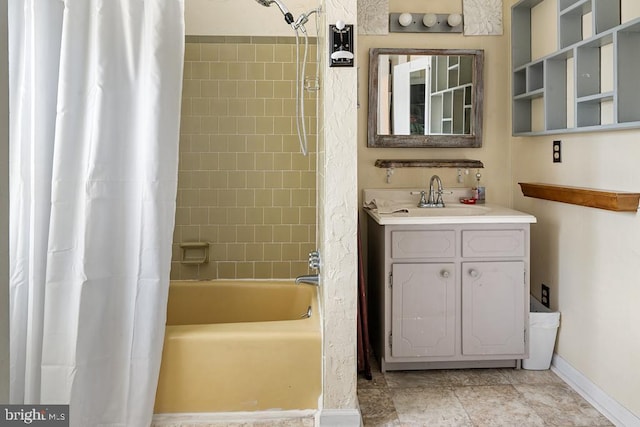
x,y
194,253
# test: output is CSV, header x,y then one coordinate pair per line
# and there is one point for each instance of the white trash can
x,y
543,328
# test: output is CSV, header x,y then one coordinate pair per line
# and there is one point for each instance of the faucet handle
x,y
314,260
423,200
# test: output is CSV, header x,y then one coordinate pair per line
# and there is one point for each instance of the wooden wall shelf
x,y
602,199
429,163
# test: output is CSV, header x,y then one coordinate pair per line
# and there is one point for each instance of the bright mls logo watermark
x,y
34,415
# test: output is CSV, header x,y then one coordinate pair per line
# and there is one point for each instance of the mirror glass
x,y
425,98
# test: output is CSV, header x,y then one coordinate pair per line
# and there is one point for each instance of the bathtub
x,y
240,346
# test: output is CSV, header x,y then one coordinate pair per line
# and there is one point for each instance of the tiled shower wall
x,y
243,185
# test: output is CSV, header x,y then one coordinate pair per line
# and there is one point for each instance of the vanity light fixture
x,y
407,22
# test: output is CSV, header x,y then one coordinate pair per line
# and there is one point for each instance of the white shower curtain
x,y
95,88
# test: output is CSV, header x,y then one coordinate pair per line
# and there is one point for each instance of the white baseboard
x,y
609,407
224,418
339,418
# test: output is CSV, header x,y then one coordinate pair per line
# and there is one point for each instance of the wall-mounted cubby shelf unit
x,y
617,201
580,89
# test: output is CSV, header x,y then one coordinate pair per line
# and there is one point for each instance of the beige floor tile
x,y
376,381
473,397
377,422
376,403
523,376
433,407
559,405
497,405
470,377
411,379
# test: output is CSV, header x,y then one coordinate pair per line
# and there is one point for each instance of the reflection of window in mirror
x,y
419,103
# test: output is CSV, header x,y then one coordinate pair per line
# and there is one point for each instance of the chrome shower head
x,y
287,15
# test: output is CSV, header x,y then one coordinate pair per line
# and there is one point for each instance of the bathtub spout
x,y
311,279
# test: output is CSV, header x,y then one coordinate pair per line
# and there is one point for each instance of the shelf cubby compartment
x,y
556,90
458,111
589,72
565,4
441,75
466,70
521,115
570,29
454,75
589,109
447,105
535,76
520,82
521,43
628,68
436,114
605,15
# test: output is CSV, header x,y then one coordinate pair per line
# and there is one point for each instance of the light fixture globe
x,y
454,20
429,19
405,19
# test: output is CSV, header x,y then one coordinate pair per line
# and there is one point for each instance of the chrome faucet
x,y
434,200
310,279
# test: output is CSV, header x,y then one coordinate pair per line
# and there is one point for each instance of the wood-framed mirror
x,y
425,98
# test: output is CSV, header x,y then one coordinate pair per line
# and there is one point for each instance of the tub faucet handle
x,y
314,260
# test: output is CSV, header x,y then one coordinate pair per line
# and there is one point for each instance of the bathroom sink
x,y
450,209
399,207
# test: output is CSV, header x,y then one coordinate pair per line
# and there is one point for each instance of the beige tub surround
x,y
240,346
243,185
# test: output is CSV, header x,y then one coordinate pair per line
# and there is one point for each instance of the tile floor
x,y
473,397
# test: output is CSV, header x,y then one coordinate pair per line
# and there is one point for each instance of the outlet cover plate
x,y
557,152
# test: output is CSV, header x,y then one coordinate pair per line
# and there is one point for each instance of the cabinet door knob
x,y
473,272
444,274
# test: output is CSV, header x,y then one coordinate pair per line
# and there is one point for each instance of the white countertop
x,y
453,213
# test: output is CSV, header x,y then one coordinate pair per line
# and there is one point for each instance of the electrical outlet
x,y
557,152
544,296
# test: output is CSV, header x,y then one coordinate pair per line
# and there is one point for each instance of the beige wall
x,y
242,17
588,257
495,150
243,185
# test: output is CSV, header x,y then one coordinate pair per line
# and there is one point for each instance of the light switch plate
x,y
341,49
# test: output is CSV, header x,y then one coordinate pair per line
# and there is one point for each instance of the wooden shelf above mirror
x,y
617,201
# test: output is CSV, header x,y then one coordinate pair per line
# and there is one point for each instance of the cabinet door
x,y
423,310
493,299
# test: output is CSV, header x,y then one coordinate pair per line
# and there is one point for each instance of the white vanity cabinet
x,y
448,295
